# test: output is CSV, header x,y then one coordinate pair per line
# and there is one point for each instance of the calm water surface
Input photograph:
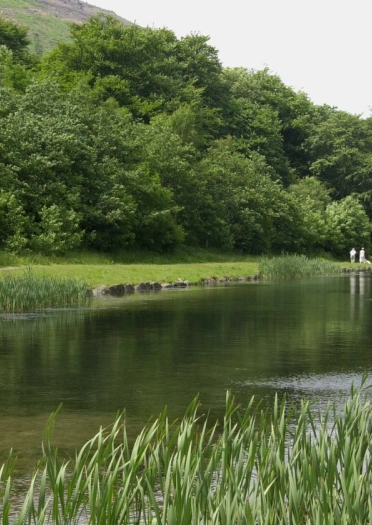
x,y
307,338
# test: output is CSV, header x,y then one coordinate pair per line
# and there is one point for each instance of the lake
x,y
302,338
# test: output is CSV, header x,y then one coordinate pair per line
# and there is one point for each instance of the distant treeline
x,y
131,137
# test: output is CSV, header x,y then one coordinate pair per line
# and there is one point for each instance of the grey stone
x,y
101,290
180,284
117,290
144,287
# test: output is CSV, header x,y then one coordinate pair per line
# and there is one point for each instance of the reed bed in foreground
x,y
296,266
257,466
28,293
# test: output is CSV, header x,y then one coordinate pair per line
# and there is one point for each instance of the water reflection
x,y
303,338
321,389
359,283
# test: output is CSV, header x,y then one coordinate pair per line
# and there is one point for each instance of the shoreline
x,y
119,290
129,278
99,275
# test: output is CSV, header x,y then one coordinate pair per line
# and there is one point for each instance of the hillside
x,y
48,20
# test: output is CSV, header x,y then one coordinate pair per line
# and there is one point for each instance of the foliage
x,y
257,126
340,154
245,207
128,137
57,230
143,69
347,225
279,119
257,466
14,37
312,197
13,74
311,188
69,168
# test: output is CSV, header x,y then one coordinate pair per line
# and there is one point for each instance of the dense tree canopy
x,y
128,136
14,37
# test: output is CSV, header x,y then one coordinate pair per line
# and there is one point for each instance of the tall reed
x,y
28,293
296,266
257,466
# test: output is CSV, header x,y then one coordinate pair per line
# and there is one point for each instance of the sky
x,y
321,47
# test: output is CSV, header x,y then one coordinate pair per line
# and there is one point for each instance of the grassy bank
x,y
189,264
255,466
135,267
110,274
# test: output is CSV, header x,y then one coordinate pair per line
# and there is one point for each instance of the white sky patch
x,y
321,47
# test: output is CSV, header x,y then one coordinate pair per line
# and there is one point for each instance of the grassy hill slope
x,y
48,20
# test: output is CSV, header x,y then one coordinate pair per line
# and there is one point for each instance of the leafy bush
x,y
58,230
347,225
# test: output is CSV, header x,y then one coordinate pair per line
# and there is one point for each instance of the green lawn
x,y
133,267
110,274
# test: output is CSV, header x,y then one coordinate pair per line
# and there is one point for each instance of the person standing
x,y
352,255
362,256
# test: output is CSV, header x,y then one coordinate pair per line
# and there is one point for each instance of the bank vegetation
x,y
27,292
291,266
276,465
130,138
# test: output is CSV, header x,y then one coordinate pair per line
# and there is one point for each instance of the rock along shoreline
x,y
119,290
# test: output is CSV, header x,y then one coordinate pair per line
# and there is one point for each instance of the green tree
x,y
55,151
312,198
256,126
12,73
347,225
13,222
146,70
286,112
132,64
241,206
199,67
14,37
341,154
57,231
77,172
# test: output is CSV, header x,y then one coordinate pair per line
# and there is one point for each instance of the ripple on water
x,y
22,316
